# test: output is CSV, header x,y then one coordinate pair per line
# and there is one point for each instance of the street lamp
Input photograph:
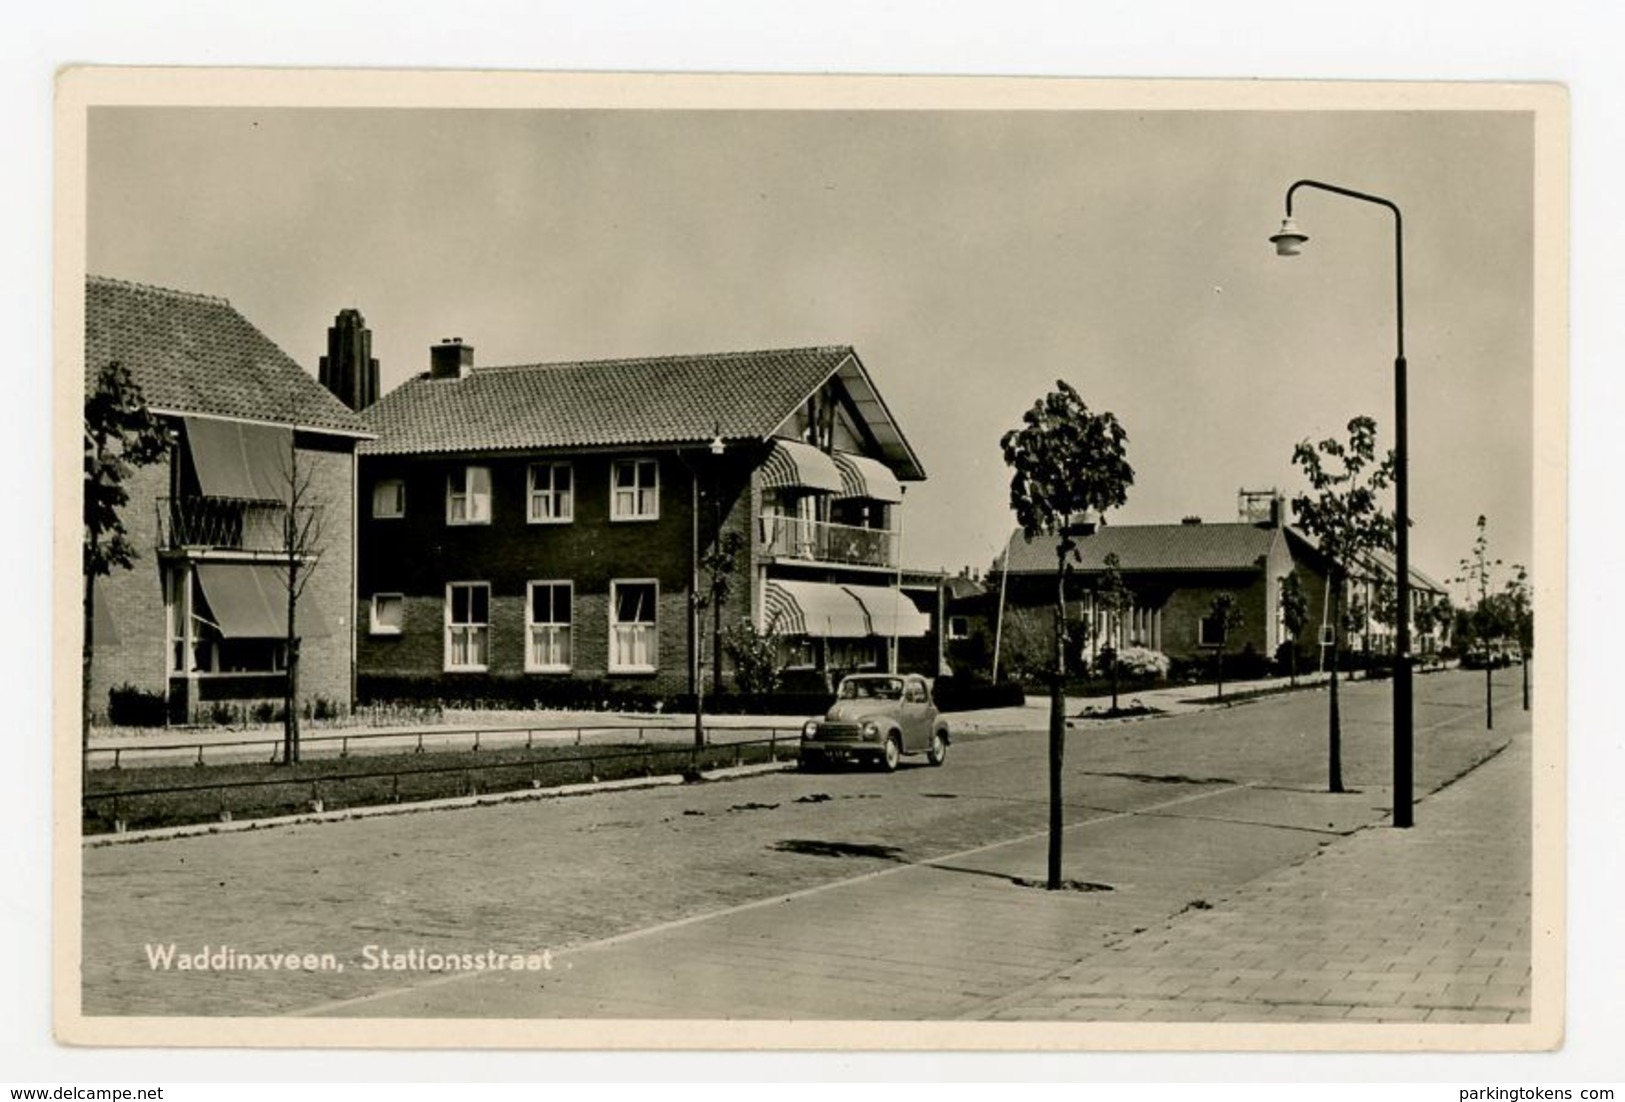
x,y
696,641
1289,241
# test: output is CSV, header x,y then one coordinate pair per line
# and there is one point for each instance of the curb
x,y
373,811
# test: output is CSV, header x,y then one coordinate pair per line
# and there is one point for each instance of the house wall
x,y
418,554
327,663
135,599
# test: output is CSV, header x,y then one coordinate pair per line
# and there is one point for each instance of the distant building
x,y
202,618
543,522
349,369
1174,572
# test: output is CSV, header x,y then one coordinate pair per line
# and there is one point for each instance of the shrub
x,y
755,657
1142,663
963,694
128,706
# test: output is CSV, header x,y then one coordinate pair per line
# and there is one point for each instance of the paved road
x,y
1171,814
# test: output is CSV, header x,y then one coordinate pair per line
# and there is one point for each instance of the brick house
x,y
1174,571
201,619
528,525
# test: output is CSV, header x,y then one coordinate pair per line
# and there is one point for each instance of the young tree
x,y
1065,460
721,563
1294,604
301,544
121,434
1340,510
1113,597
1484,619
1225,616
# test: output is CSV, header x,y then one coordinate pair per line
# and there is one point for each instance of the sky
x,y
971,258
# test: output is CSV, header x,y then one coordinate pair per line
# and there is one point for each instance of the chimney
x,y
1082,524
349,369
1190,521
1266,508
450,359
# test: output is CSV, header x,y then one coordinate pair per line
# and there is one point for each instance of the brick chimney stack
x,y
450,359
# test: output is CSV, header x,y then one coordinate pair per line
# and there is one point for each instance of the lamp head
x,y
717,446
1290,240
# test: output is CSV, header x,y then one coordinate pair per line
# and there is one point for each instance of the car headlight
x,y
810,729
870,731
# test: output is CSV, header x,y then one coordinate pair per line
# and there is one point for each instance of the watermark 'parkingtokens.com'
x,y
372,958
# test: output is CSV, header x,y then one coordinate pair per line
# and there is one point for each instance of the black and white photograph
x,y
879,563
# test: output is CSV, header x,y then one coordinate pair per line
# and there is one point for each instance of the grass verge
x,y
164,796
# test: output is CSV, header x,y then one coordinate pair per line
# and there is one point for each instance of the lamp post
x,y
696,640
1289,241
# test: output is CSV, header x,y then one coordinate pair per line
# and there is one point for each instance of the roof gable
x,y
195,354
609,403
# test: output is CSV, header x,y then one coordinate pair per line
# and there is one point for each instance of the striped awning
x,y
890,612
814,608
800,466
867,478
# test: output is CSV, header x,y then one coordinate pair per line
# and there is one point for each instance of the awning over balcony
x,y
867,478
800,466
890,612
250,601
814,608
240,461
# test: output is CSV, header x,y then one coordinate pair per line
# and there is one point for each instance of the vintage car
x,y
877,717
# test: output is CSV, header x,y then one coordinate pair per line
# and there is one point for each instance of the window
x,y
551,498
547,626
1212,632
959,627
468,496
468,625
388,612
633,642
635,490
389,498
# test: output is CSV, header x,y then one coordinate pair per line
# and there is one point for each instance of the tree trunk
x,y
1292,662
1334,722
1057,728
1524,658
1219,661
1489,699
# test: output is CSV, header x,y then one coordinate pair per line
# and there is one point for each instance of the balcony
x,y
227,524
823,541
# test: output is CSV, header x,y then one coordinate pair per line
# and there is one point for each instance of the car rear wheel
x,y
939,749
891,755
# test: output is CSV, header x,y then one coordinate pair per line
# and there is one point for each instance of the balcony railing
x,y
823,541
226,524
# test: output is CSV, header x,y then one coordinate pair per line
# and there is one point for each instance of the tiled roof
x,y
1147,547
195,354
1388,567
669,399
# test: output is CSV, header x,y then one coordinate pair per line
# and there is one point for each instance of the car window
x,y
872,688
915,693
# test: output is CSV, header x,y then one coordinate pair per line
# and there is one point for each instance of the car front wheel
x,y
939,749
891,755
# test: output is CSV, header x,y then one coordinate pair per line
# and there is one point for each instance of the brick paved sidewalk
x,y
1430,924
